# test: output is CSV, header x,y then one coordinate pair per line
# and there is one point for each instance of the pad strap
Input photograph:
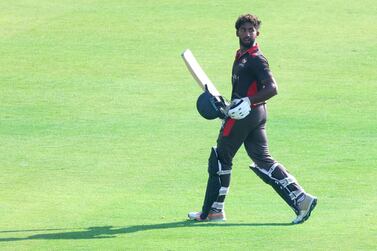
x,y
218,205
224,191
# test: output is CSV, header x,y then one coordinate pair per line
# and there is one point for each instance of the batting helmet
x,y
208,107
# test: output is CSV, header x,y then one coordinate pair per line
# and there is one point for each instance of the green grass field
x,y
102,148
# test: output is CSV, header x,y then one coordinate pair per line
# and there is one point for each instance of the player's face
x,y
247,35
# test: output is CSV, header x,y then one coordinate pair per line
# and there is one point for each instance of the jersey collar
x,y
250,51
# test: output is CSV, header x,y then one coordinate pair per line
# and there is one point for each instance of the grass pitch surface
x,y
102,148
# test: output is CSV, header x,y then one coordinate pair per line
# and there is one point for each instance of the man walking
x,y
252,84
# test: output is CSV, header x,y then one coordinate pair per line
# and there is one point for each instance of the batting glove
x,y
239,108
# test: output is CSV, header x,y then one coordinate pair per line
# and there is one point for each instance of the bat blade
x,y
198,74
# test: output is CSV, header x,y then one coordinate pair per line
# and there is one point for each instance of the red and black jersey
x,y
250,72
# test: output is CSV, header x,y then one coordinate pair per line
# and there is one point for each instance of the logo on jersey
x,y
235,78
243,62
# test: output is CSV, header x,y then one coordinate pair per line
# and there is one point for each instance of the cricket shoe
x,y
212,216
306,207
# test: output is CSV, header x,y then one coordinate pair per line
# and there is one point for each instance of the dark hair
x,y
248,18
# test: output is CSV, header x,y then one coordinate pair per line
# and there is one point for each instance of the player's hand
x,y
239,108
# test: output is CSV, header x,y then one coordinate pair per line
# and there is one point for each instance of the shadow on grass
x,y
112,232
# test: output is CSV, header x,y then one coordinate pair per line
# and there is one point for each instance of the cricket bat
x,y
198,74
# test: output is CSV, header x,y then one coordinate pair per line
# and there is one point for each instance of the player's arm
x,y
240,108
267,86
269,89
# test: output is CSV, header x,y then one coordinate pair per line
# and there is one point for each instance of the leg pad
x,y
218,182
282,182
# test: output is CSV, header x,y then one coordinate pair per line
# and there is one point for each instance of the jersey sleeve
x,y
262,71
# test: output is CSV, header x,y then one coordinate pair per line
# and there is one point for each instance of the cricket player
x,y
252,84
